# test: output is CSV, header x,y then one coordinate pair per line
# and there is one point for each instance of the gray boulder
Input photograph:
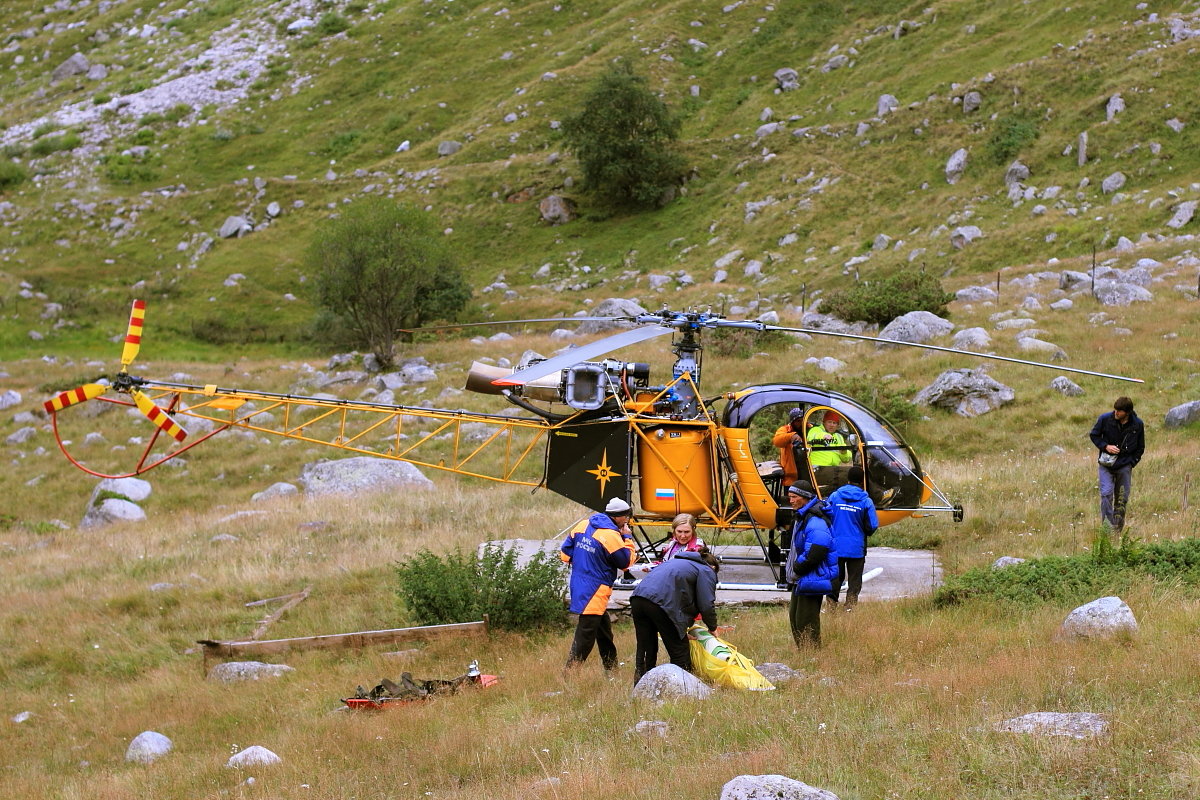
x,y
9,398
22,435
971,102
448,148
280,489
1006,561
236,671
1065,386
826,363
956,165
885,105
612,307
235,227
1119,293
966,392
772,787
134,489
1113,183
976,339
1099,619
963,235
1116,104
1182,415
1017,173
1078,725
1041,348
147,747
975,294
917,327
112,510
778,673
253,756
360,474
557,209
77,64
787,78
1183,214
669,682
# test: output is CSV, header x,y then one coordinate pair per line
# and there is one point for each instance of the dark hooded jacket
x,y
1130,437
683,587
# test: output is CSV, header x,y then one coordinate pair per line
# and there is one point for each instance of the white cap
x,y
617,506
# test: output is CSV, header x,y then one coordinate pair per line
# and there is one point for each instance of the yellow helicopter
x,y
663,447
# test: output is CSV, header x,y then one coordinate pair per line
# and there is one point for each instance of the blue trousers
x,y
1114,495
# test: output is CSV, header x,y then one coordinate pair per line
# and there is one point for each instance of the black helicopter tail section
x,y
590,462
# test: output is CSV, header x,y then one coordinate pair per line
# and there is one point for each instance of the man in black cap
x,y
811,564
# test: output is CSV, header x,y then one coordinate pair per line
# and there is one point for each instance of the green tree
x,y
381,267
623,139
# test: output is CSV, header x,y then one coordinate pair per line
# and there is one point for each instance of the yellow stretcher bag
x,y
719,662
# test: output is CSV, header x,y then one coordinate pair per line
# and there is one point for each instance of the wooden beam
x,y
343,640
267,622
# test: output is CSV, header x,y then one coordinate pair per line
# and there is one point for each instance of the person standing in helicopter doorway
x,y
854,519
596,553
811,566
1120,438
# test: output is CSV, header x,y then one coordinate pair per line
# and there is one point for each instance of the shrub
x,y
11,175
881,301
53,144
342,144
121,168
332,23
623,139
384,267
743,342
462,588
1106,570
1011,134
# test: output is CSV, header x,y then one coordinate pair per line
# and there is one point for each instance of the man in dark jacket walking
x,y
811,564
1120,438
666,603
854,519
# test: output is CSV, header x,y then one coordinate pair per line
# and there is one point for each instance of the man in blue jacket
x,y
1120,437
811,564
596,553
854,519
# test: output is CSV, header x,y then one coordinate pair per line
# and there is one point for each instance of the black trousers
x,y
650,621
593,630
849,570
804,613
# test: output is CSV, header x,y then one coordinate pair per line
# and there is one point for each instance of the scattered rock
x,y
787,78
147,747
956,165
1006,561
772,787
667,681
77,64
1112,183
650,729
971,102
235,671
778,673
22,435
612,307
24,716
235,227
976,339
1116,293
975,294
253,756
1079,725
966,392
1183,214
1182,415
1102,618
361,473
557,210
916,327
964,235
448,148
112,510
1064,385
280,489
9,398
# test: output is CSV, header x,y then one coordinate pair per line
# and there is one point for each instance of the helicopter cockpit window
x,y
778,446
889,467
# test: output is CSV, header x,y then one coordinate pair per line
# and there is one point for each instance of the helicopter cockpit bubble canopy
x,y
890,463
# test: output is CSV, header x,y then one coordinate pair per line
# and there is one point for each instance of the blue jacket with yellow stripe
x,y
595,552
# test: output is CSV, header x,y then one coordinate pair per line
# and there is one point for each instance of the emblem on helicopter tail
x,y
589,462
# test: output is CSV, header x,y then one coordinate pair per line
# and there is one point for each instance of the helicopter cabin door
x,y
830,445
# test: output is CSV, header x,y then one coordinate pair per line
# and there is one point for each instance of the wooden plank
x,y
267,622
264,601
343,640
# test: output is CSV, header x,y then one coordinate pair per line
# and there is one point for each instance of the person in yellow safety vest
x,y
829,454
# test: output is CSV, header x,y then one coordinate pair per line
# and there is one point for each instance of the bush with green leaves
x,y
460,587
11,175
743,342
1107,569
624,139
882,300
1011,134
382,267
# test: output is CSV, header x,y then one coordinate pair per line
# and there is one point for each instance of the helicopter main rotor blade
x,y
582,353
511,322
865,338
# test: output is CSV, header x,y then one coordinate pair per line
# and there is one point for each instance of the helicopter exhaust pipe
x,y
480,377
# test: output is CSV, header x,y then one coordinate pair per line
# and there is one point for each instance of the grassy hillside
x,y
902,699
